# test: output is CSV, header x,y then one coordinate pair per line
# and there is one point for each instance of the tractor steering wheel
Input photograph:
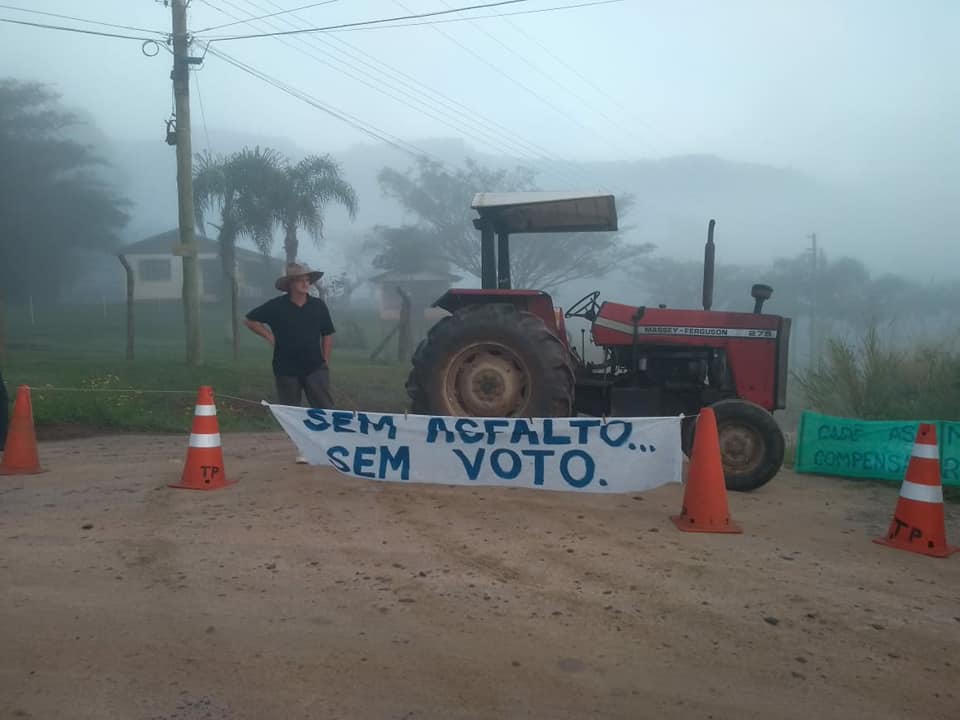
x,y
585,307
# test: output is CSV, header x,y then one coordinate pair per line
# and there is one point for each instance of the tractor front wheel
x,y
751,444
491,360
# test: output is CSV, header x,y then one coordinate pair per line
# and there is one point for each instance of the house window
x,y
156,270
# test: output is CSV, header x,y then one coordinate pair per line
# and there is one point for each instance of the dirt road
x,y
299,593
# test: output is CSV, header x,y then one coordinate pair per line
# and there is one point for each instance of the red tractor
x,y
506,353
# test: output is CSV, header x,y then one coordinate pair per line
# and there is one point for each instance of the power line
x,y
574,70
264,17
539,153
519,146
552,79
556,8
356,123
417,16
506,75
203,114
80,30
322,61
418,97
378,87
78,19
542,153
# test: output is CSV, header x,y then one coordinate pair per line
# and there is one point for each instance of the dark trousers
x,y
4,401
316,385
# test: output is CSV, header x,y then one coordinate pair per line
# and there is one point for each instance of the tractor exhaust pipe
x,y
708,254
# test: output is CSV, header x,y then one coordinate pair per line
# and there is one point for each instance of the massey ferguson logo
x,y
713,332
707,332
674,330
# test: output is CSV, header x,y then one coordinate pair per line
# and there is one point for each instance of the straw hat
x,y
295,270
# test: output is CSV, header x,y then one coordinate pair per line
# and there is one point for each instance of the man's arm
x,y
260,329
258,320
326,330
327,347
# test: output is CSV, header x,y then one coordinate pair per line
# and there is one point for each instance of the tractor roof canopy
x,y
546,212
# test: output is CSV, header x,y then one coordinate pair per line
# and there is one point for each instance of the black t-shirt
x,y
297,333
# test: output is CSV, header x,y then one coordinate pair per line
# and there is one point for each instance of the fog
x,y
777,119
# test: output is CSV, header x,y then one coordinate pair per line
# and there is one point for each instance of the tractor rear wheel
x,y
751,444
491,360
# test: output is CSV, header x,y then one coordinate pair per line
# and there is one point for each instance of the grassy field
x,y
74,358
83,347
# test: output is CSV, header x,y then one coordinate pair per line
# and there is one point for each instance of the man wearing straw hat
x,y
300,329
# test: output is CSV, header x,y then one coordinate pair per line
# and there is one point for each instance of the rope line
x,y
264,403
46,388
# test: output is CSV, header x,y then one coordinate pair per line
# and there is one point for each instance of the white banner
x,y
621,455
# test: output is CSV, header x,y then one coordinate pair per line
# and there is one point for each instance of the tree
x,y
339,289
679,283
301,195
836,296
848,297
242,188
55,197
440,198
408,248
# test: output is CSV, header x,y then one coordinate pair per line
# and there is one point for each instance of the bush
x,y
873,382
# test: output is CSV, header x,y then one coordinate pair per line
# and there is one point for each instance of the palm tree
x,y
242,188
306,189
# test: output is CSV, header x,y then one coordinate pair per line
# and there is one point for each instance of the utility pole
x,y
813,299
188,245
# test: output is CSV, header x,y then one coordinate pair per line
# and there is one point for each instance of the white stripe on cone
x,y
205,410
921,493
926,452
198,440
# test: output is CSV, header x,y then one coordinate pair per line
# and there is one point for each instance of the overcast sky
x,y
847,86
854,92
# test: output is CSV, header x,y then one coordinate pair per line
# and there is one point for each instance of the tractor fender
x,y
533,301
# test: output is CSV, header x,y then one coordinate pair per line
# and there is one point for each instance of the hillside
x,y
761,211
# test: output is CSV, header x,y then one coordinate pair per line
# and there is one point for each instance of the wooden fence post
x,y
130,295
404,342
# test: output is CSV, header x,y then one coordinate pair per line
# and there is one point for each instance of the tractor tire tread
x,y
766,426
553,357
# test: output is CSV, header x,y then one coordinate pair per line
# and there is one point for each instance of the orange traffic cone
x,y
204,466
918,523
705,496
20,455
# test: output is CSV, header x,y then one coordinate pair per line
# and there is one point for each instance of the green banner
x,y
874,449
948,434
